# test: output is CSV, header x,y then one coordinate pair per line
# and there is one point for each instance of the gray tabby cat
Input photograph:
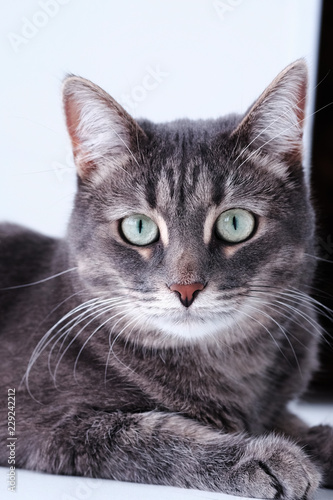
x,y
162,339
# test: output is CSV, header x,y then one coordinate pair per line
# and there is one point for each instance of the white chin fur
x,y
191,329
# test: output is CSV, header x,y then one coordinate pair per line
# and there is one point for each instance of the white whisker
x,y
266,329
53,333
100,309
282,330
96,329
135,321
289,297
39,281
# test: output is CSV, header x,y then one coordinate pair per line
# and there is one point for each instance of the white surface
x,y
35,486
209,61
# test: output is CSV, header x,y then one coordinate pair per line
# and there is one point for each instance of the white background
x,y
209,61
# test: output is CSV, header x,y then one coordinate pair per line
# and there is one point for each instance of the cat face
x,y
191,227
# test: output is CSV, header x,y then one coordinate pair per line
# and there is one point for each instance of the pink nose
x,y
187,293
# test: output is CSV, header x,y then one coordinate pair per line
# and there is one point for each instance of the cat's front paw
x,y
274,468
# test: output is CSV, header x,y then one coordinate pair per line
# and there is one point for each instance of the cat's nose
x,y
187,293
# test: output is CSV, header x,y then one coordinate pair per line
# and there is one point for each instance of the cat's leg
x,y
162,448
317,441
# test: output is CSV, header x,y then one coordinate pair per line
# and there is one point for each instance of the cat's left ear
x,y
103,134
274,124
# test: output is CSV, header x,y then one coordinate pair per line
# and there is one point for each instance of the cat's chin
x,y
193,329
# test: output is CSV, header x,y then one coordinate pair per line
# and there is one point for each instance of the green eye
x,y
235,225
139,230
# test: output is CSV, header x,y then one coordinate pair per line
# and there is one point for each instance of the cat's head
x,y
190,228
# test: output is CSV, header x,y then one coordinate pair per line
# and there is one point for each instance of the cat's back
x,y
23,253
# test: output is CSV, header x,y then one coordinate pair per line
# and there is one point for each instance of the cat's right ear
x,y
274,124
104,136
